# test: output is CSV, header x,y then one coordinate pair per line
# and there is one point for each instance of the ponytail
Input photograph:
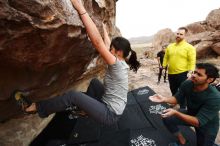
x,y
120,43
132,61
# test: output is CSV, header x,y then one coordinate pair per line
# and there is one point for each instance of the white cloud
x,y
143,17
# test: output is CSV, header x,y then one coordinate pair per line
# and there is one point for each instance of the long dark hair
x,y
120,43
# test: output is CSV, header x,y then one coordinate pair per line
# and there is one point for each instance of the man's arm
x,y
161,99
187,118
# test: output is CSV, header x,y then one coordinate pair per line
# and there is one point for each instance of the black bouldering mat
x,y
85,131
133,117
142,94
136,121
116,138
153,112
131,99
150,109
140,123
150,137
57,131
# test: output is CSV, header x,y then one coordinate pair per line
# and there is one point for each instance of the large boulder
x,y
44,51
213,19
197,27
206,35
206,43
204,49
216,48
163,38
44,48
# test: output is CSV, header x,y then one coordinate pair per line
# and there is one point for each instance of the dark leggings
x,y
203,138
90,102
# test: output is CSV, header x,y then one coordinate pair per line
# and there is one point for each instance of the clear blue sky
x,y
145,17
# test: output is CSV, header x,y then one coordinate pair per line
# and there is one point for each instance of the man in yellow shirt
x,y
181,59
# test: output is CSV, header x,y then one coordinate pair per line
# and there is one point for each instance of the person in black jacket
x,y
160,56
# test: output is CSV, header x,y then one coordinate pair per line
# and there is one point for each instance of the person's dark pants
x,y
90,102
175,81
160,74
203,139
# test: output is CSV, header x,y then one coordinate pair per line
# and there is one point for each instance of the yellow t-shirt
x,y
180,57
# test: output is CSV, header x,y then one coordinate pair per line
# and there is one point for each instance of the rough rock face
x,y
213,19
216,48
44,50
204,35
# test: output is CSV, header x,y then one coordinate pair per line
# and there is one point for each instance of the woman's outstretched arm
x,y
107,40
93,33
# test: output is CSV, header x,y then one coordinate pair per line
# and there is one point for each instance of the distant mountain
x,y
141,40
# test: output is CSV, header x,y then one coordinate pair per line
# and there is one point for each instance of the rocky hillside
x,y
141,40
204,35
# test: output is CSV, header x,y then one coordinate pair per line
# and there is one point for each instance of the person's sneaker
x,y
165,81
22,101
158,82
